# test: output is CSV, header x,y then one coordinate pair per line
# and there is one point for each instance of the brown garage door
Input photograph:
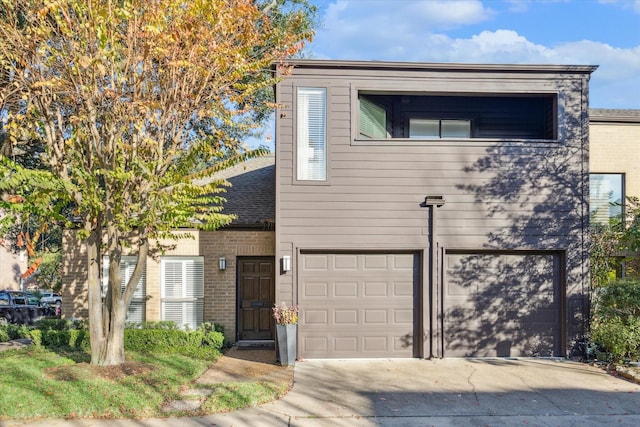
x,y
499,304
357,305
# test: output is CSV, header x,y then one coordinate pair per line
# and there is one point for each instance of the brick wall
x,y
614,148
219,286
74,277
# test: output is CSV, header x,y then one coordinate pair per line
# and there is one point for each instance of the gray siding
x,y
499,194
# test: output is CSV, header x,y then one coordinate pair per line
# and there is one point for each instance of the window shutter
x,y
183,290
311,134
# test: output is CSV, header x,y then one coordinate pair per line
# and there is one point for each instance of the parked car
x,y
14,308
32,299
51,298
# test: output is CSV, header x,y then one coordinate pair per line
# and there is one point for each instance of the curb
x,y
632,374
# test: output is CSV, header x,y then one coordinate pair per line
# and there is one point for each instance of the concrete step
x,y
255,345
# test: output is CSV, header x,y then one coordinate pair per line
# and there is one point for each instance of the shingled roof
x,y
251,196
614,115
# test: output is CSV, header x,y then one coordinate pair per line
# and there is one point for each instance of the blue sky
x,y
583,32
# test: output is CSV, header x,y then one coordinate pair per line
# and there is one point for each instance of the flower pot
x,y
287,343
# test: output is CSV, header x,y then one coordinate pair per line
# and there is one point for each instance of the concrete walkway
x,y
449,392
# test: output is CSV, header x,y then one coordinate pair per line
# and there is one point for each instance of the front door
x,y
256,296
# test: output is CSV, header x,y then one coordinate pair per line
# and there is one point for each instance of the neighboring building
x,y
433,209
12,265
191,283
614,161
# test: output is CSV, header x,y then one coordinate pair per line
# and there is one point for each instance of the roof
x,y
251,196
443,66
609,115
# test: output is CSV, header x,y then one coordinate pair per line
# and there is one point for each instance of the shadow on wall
x,y
510,299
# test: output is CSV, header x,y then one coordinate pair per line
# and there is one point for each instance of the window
x,y
373,120
137,310
311,134
182,282
606,197
388,115
434,128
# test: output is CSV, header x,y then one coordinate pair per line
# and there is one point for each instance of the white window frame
x,y
311,134
137,310
184,304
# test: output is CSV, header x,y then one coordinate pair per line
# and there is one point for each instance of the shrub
x,y
17,331
615,323
4,336
59,324
161,325
195,343
69,338
36,336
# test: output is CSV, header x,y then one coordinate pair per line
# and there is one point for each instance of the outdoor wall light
x,y
286,263
222,263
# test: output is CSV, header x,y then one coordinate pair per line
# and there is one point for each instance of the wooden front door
x,y
256,296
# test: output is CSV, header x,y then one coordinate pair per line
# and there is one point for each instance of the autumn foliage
x,y
133,100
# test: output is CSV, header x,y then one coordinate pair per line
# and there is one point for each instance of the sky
x,y
582,32
577,32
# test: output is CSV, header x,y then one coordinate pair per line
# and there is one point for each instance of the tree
x,y
128,97
615,246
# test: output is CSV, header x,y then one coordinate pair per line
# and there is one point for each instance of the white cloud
x,y
390,28
417,31
626,4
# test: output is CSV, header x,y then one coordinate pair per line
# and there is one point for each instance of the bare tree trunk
x,y
96,331
107,315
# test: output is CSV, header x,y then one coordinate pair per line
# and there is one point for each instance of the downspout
x,y
433,202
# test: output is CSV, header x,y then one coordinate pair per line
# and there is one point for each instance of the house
x,y
613,135
433,210
614,138
421,210
12,265
225,276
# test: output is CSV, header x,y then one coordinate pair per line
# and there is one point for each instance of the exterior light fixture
x,y
286,263
222,263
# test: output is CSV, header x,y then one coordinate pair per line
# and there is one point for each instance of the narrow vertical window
x,y
312,134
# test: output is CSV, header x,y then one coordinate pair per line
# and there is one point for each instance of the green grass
x,y
238,395
36,383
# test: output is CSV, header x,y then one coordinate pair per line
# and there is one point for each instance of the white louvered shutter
x,y
183,290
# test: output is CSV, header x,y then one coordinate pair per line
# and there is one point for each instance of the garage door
x,y
356,304
498,304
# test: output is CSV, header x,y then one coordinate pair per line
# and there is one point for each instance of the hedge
x,y
200,344
204,343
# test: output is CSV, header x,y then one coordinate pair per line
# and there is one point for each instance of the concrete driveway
x,y
449,392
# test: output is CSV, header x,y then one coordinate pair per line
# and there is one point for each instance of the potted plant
x,y
286,318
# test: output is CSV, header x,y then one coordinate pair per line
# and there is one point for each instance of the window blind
x,y
311,134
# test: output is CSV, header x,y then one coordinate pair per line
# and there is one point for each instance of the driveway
x,y
449,392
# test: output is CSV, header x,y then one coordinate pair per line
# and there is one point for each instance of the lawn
x,y
38,383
